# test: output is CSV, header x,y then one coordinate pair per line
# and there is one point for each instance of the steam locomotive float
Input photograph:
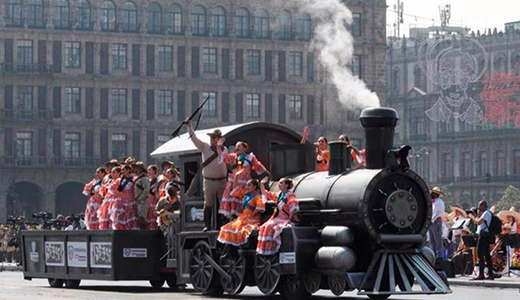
x,y
360,229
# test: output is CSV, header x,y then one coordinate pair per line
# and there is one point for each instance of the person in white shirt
x,y
435,231
485,239
459,217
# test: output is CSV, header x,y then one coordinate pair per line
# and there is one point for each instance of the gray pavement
x,y
14,287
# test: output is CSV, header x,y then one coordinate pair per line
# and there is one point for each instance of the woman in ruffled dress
x,y
123,214
110,194
242,163
285,215
92,190
237,232
152,197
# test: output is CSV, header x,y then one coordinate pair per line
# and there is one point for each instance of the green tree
x,y
511,197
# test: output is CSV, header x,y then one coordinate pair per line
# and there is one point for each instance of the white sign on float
x,y
77,254
55,254
101,255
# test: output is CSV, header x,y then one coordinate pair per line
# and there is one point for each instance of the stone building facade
x,y
475,160
84,81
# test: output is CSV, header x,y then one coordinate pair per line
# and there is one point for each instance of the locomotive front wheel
x,y
337,284
291,288
236,268
267,273
72,283
55,283
201,271
157,284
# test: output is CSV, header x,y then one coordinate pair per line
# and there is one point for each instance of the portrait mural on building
x,y
454,65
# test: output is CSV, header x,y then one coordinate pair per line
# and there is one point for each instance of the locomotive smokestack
x,y
379,124
339,160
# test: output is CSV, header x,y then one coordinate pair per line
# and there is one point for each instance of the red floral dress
x,y
122,212
150,216
269,239
237,232
92,189
235,190
110,194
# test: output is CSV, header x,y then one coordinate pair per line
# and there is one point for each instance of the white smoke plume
x,y
335,46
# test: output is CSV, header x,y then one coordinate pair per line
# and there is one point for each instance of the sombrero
x,y
460,210
509,213
113,162
447,218
507,226
167,163
437,190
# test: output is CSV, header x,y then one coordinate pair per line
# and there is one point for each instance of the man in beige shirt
x,y
214,174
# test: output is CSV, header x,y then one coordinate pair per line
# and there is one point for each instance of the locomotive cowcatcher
x,y
360,229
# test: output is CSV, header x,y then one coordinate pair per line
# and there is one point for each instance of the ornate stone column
x,y
50,202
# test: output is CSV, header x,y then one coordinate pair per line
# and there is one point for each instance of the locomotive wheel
x,y
337,284
72,283
236,268
157,284
292,288
312,282
202,274
267,273
55,283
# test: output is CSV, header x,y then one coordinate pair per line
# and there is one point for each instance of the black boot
x,y
207,218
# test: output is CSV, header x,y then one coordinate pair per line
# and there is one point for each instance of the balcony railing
x,y
12,114
58,162
77,162
24,161
8,68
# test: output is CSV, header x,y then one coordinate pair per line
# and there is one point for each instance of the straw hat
x,y
460,210
506,226
436,190
509,213
447,218
215,133
167,163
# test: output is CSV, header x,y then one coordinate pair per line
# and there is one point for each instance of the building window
x,y
285,25
61,14
73,55
25,53
198,20
119,56
418,125
13,13
162,139
73,99
253,105
210,109
500,163
303,27
119,145
419,80
35,14
253,62
175,20
446,167
516,162
295,107
356,66
209,60
83,15
23,144
108,16
164,102
129,17
25,99
119,101
396,80
261,24
218,22
356,28
154,18
165,58
466,164
296,63
242,23
482,168
71,146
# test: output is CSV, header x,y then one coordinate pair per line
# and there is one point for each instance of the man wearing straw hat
x,y
435,231
459,217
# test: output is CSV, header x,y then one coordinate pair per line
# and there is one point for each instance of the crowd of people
x,y
8,248
466,240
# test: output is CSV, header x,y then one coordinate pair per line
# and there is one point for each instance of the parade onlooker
x,y
459,215
435,231
462,255
141,193
485,239
92,190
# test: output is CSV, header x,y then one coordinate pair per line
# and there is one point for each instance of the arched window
x,y
175,24
129,17
218,21
154,18
108,16
198,20
418,79
515,62
261,24
83,15
284,25
13,13
35,13
242,23
500,63
61,14
303,27
396,79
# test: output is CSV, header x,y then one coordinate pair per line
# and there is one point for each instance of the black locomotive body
x,y
360,229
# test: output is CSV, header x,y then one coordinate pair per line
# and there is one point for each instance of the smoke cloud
x,y
335,46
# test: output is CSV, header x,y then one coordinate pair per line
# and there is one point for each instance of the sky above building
x,y
475,14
